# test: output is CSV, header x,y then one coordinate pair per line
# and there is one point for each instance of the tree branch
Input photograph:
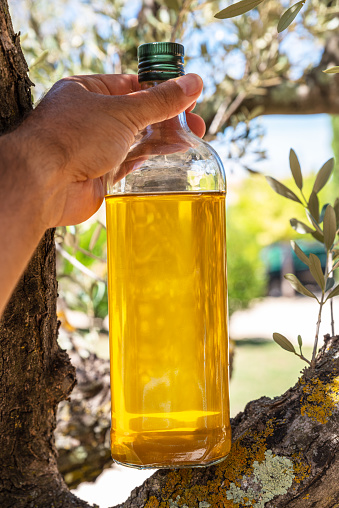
x,y
315,93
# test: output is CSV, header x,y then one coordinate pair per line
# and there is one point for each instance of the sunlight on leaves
x,y
283,342
281,189
288,17
297,285
323,175
238,8
332,70
295,169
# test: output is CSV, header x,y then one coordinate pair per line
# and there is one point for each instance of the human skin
x,y
51,166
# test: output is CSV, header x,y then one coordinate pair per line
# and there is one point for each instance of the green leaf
x,y
336,209
335,266
332,70
329,227
334,292
295,169
297,285
283,342
322,214
329,283
301,255
323,175
238,8
316,271
281,189
313,205
289,16
318,236
300,227
300,341
314,222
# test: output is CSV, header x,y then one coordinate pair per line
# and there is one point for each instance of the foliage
x,y
324,227
285,20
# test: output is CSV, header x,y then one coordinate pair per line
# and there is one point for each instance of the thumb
x,y
163,101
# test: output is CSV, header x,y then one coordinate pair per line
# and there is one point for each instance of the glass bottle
x,y
168,291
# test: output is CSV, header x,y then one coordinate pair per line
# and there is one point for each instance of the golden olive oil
x,y
168,328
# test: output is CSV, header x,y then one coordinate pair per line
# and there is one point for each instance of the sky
x,y
310,136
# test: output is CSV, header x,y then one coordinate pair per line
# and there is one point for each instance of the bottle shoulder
x,y
173,161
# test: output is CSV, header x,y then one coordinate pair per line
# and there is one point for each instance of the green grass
x,y
262,368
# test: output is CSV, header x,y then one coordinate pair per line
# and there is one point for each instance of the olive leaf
x,y
329,283
300,342
336,265
329,227
322,213
295,169
301,255
300,227
283,342
238,8
313,205
334,292
332,70
336,209
297,285
318,236
323,175
281,189
316,271
289,16
314,222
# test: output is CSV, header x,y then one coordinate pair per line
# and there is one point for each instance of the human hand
x,y
84,127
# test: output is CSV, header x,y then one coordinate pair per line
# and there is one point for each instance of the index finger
x,y
107,84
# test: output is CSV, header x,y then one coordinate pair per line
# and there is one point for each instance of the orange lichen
x,y
319,399
244,452
301,469
152,503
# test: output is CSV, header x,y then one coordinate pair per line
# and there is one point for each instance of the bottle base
x,y
171,466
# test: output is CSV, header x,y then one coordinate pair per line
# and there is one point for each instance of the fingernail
x,y
190,84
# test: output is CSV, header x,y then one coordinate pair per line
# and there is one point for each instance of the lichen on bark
x,y
280,456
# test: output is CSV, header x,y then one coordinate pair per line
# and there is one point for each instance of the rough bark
x,y
285,449
35,373
15,96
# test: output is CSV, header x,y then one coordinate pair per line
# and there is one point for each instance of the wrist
x,y
37,163
21,190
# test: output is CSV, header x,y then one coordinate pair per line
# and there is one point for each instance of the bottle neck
x,y
178,122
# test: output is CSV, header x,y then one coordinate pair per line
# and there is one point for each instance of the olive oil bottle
x,y
168,292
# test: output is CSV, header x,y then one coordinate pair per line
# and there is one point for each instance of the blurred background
x,y
264,93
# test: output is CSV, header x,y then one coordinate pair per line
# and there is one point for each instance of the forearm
x,y
21,224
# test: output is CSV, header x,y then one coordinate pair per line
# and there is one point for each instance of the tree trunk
x,y
284,453
35,373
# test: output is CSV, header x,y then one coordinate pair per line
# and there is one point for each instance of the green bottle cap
x,y
160,61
